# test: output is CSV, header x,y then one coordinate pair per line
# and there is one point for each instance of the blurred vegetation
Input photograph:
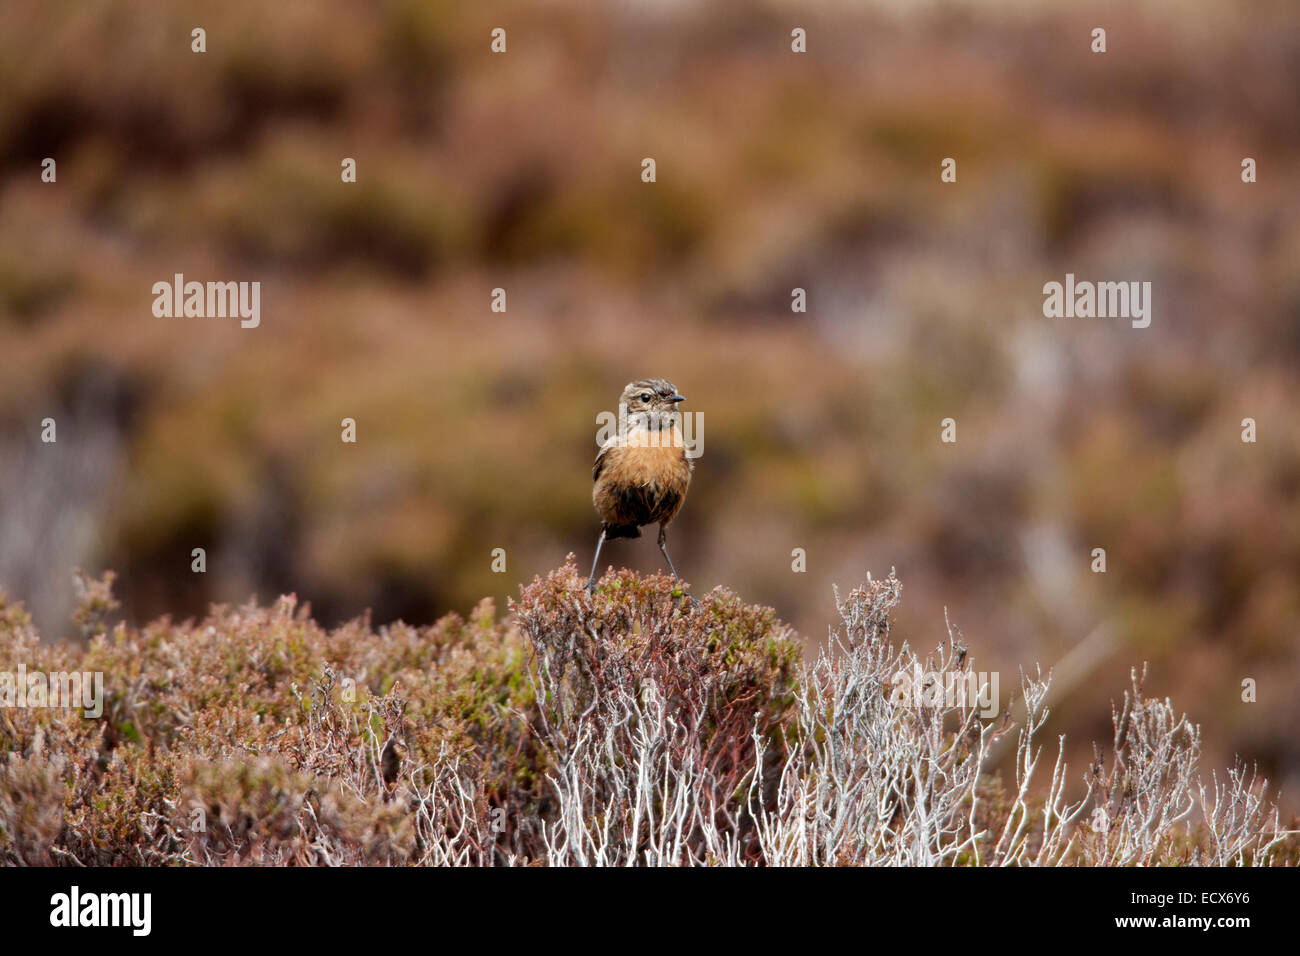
x,y
521,171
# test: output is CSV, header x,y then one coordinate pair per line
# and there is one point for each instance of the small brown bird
x,y
641,475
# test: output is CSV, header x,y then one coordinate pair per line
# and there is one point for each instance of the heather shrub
x,y
628,726
653,712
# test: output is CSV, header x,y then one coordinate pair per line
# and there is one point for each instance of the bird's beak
x,y
677,398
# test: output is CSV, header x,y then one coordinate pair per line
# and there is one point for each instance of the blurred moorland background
x,y
775,171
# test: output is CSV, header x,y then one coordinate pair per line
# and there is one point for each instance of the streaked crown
x,y
651,394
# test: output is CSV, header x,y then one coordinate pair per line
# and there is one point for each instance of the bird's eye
x,y
645,396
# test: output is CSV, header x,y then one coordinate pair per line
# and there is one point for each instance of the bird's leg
x,y
663,546
591,580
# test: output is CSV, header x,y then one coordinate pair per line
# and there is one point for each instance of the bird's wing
x,y
600,462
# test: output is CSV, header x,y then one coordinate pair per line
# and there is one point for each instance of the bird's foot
x,y
682,592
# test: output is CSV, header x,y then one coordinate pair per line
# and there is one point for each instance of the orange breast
x,y
643,482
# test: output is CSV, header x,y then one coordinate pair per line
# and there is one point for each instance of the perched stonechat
x,y
642,473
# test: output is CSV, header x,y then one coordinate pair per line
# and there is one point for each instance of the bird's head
x,y
654,398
